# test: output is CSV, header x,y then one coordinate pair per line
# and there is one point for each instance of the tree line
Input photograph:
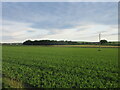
x,y
49,42
55,42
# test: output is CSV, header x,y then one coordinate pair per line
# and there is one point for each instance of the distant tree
x,y
103,41
28,42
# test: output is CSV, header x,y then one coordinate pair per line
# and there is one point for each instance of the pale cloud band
x,y
22,31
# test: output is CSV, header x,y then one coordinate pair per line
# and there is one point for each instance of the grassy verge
x,y
11,83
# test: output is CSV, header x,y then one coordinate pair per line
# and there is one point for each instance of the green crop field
x,y
59,67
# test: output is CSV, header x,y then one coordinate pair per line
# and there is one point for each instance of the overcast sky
x,y
77,21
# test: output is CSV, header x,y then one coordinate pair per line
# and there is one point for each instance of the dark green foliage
x,y
103,41
49,42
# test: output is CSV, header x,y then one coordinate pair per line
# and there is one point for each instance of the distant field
x,y
59,67
104,46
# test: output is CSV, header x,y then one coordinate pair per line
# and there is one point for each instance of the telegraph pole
x,y
99,41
